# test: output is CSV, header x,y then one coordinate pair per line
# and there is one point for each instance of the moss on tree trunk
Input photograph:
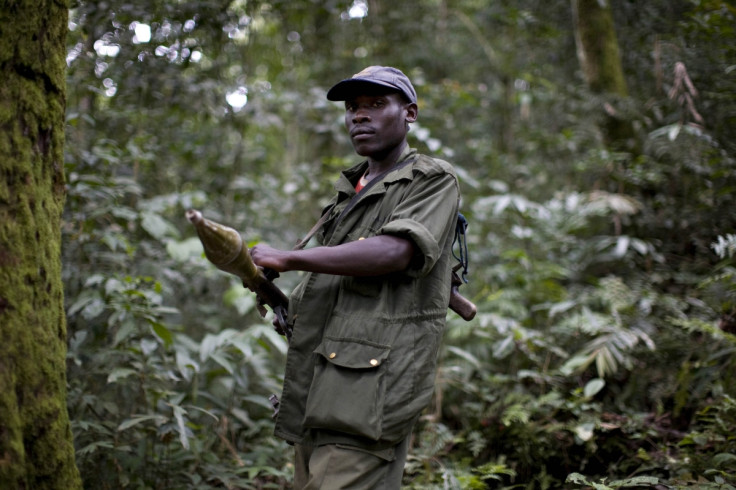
x,y
36,450
600,62
597,46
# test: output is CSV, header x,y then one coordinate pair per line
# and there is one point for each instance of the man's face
x,y
377,122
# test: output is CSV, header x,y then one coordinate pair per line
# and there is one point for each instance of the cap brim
x,y
356,86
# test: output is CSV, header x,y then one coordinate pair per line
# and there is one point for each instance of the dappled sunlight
x,y
358,10
142,32
237,98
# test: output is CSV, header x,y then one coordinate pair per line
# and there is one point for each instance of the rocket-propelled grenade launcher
x,y
224,247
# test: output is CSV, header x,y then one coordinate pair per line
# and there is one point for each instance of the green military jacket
x,y
362,359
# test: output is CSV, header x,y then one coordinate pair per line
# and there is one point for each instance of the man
x,y
369,315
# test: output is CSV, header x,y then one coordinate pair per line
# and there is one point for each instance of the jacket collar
x,y
348,178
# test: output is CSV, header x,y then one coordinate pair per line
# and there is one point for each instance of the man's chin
x,y
362,150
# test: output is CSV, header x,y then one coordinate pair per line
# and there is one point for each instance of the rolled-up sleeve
x,y
425,216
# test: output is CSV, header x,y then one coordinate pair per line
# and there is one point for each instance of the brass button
x,y
374,362
333,355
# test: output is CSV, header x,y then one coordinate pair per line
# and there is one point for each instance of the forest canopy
x,y
601,232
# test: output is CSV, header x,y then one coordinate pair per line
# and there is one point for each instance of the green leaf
x,y
504,348
585,431
223,361
120,373
131,422
465,355
83,301
576,478
179,413
635,481
186,365
207,346
91,448
125,330
723,458
162,332
184,250
157,226
93,308
576,363
592,387
273,337
241,298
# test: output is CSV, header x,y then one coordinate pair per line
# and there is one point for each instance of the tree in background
x,y
600,61
35,438
597,47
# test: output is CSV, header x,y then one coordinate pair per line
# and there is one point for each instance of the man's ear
x,y
412,111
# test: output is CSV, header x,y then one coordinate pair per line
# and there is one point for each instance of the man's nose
x,y
361,115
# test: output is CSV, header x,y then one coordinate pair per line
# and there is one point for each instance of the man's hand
x,y
269,258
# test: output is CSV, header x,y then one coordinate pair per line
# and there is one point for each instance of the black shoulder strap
x,y
460,239
303,242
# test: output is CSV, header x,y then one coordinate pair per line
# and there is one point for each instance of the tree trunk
x,y
36,450
597,47
600,61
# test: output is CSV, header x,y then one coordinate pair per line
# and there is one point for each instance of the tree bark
x,y
597,47
600,61
36,449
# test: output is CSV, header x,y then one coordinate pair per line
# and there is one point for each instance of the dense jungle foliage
x,y
602,355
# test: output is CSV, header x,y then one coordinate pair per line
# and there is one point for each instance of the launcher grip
x,y
459,303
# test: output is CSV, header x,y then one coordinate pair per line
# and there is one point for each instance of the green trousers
x,y
335,467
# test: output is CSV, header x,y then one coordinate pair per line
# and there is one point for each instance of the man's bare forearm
x,y
373,256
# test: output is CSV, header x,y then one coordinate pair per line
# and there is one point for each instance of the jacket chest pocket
x,y
348,389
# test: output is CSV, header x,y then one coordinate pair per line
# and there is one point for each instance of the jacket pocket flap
x,y
352,354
